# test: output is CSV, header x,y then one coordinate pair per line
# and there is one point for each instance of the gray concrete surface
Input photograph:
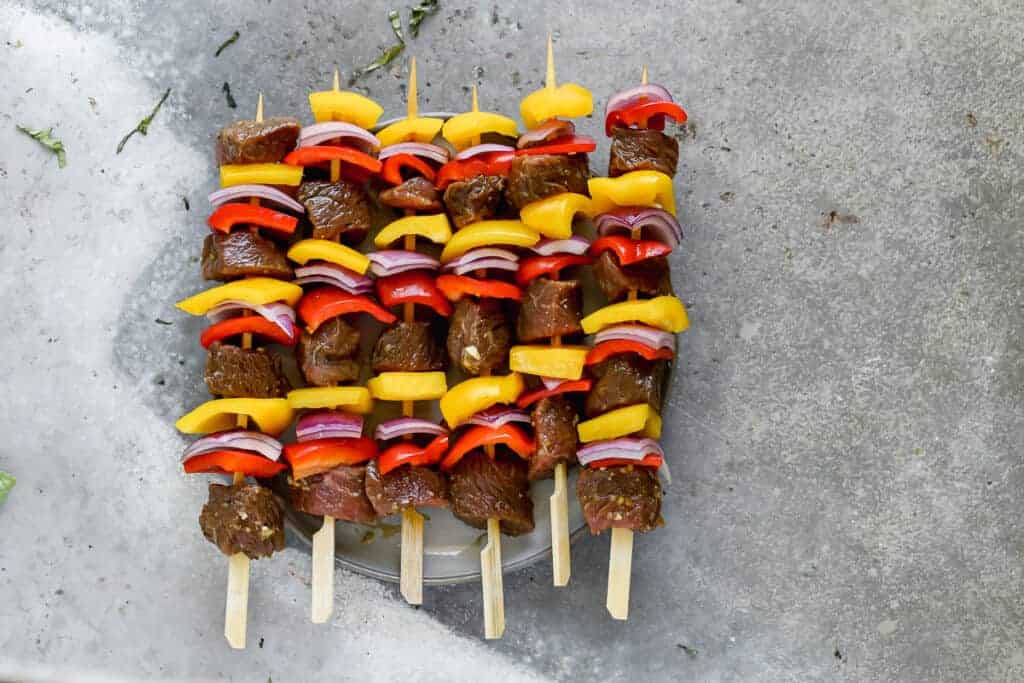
x,y
845,433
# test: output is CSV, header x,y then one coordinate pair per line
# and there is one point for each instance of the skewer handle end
x,y
323,572
561,561
411,580
620,567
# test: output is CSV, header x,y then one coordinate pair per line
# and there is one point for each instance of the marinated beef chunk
x,y
243,519
620,497
408,347
405,486
241,254
233,372
554,428
338,211
479,336
651,277
625,380
416,193
257,142
537,176
339,493
642,150
475,199
326,356
549,308
560,129
482,487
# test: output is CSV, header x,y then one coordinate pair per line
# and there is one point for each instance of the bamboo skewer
x,y
491,576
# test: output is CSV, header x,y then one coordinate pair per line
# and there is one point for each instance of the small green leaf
x,y
396,24
7,482
234,37
385,58
421,12
227,93
46,139
143,125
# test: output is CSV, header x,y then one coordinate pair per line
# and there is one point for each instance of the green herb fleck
x,y
389,530
229,96
367,537
143,126
161,321
692,651
184,200
46,139
385,58
421,12
425,516
396,24
223,46
7,482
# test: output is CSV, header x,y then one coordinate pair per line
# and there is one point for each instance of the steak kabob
x,y
489,489
548,184
618,486
328,460
408,358
245,521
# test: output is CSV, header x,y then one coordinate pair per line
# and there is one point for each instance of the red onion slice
x,y
240,439
641,93
419,149
335,130
281,314
643,334
388,262
484,257
328,424
402,426
576,245
496,416
271,194
333,274
549,130
485,148
653,223
627,448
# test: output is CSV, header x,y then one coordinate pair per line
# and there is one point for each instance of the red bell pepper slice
x,y
614,347
230,461
394,165
629,250
530,397
321,154
313,457
535,266
414,286
457,286
650,115
228,216
479,436
491,163
253,324
652,460
323,303
407,453
570,144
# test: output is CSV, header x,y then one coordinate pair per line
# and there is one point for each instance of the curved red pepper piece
x,y
253,324
614,347
491,163
570,144
457,286
394,165
535,266
414,286
531,397
650,115
652,460
323,303
230,461
410,454
321,154
228,216
629,250
313,457
479,436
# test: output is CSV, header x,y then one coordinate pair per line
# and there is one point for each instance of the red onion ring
x,y
657,223
240,439
388,262
401,426
334,130
328,424
271,194
482,149
627,448
648,336
576,245
486,258
641,93
281,314
419,149
333,274
549,130
496,416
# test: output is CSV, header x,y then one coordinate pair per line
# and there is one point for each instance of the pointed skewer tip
x,y
411,107
337,79
259,108
643,76
549,82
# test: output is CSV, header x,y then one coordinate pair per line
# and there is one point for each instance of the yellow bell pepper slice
x,y
468,398
636,188
461,129
552,216
260,174
254,290
568,100
434,227
562,362
408,386
271,415
489,233
353,399
664,312
332,252
421,129
351,107
639,419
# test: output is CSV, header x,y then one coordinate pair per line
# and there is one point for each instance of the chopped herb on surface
x,y
421,12
396,24
46,139
385,58
161,321
7,482
223,46
143,126
229,96
185,201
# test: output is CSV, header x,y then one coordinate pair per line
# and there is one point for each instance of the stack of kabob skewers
x,y
483,239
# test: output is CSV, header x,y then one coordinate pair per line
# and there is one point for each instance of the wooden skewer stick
x,y
491,570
